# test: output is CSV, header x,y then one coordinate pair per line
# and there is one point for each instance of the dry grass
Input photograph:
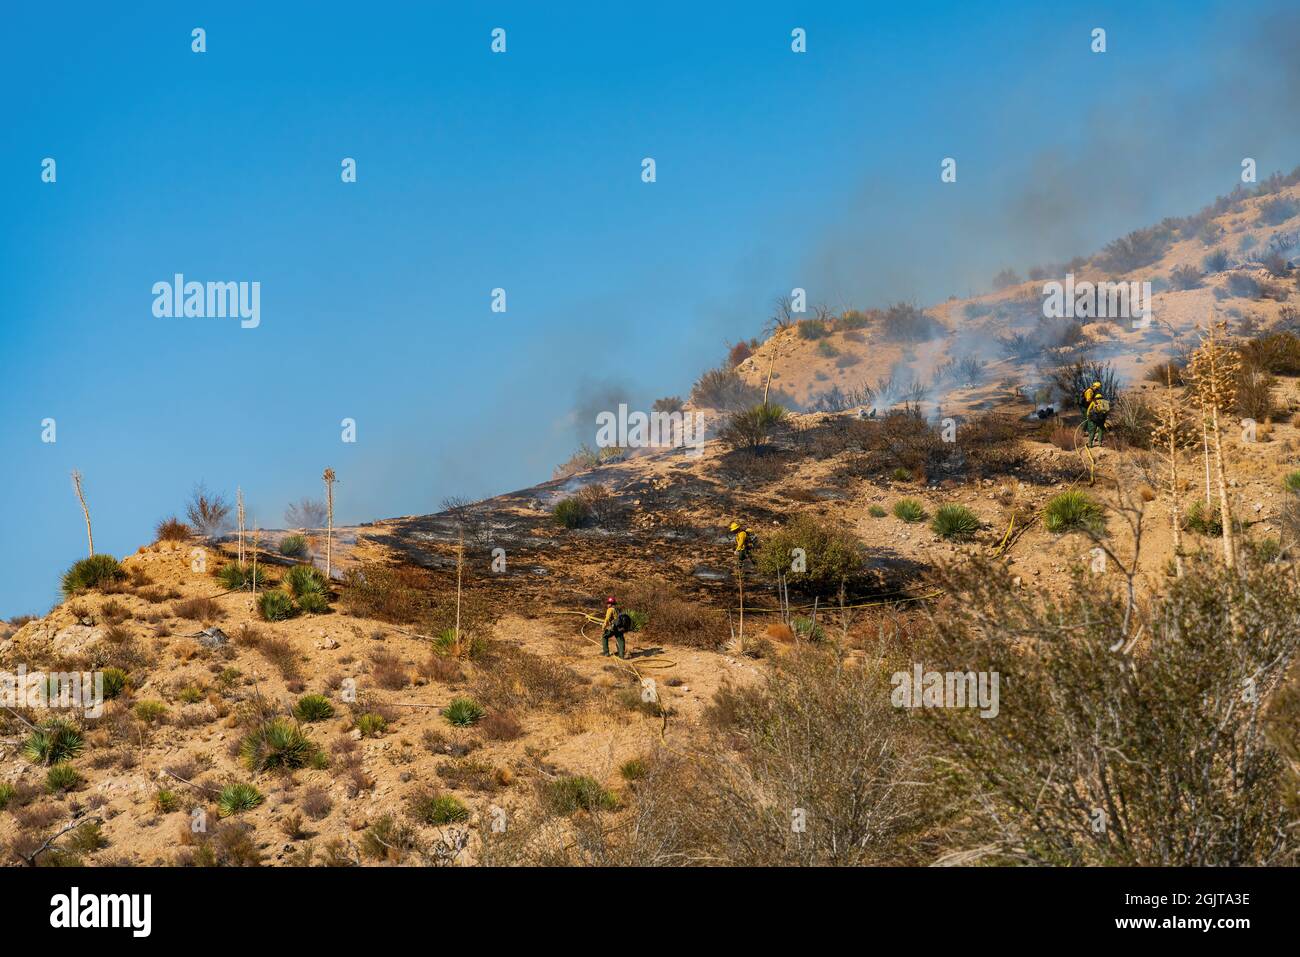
x,y
197,609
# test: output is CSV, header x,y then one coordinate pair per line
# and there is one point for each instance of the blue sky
x,y
522,171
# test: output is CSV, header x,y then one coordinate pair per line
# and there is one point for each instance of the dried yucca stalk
x,y
1213,372
85,510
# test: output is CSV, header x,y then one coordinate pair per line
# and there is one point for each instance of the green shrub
x,y
313,707
463,712
237,576
293,546
568,795
278,744
876,511
807,629
901,474
52,742
955,522
752,428
7,792
909,510
633,769
150,712
275,605
165,801
430,808
1073,510
571,512
1203,519
1292,481
238,797
306,580
372,725
86,837
314,603
114,682
61,777
831,554
92,572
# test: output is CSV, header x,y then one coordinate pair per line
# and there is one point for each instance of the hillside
x,y
574,750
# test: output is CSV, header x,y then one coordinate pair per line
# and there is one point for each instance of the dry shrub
x,y
443,668
171,529
1157,739
670,618
1166,373
903,438
280,652
815,736
315,802
600,505
197,609
500,726
389,671
990,442
398,594
512,679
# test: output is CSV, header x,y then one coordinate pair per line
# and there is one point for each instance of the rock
x,y
213,637
1016,581
75,639
329,644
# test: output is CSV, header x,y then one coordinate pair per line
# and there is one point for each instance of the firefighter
x,y
615,625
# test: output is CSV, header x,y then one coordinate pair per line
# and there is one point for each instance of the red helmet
x,y
610,600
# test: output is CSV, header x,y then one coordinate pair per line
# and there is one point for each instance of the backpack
x,y
1101,406
623,622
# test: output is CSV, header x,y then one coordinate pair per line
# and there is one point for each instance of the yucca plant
x,y
150,712
61,777
1073,510
1292,481
278,744
306,579
92,572
293,546
568,795
571,512
275,605
909,510
165,801
437,808
314,603
238,797
955,522
52,742
463,712
114,682
237,576
313,707
372,725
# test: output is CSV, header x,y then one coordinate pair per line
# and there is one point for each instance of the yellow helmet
x,y
1096,385
735,527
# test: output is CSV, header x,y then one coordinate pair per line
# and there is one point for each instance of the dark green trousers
x,y
619,642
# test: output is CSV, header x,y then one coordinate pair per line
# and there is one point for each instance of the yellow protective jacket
x,y
742,542
610,614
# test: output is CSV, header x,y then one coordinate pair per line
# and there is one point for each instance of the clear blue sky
x,y
522,171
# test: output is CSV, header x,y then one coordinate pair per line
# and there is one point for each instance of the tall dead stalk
x,y
329,529
85,510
